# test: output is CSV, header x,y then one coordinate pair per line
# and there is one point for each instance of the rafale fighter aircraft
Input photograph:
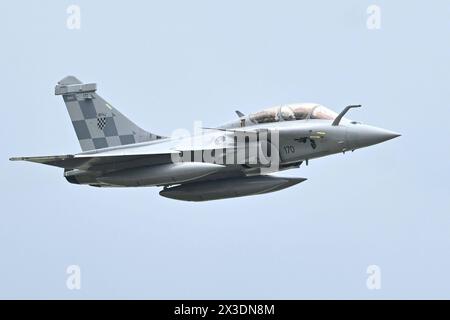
x,y
232,160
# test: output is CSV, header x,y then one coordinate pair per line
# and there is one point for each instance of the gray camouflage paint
x,y
293,133
97,124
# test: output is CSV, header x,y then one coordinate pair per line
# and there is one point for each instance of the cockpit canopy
x,y
299,111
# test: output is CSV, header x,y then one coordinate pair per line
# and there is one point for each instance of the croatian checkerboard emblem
x,y
101,121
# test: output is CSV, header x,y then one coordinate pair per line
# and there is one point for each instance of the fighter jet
x,y
238,158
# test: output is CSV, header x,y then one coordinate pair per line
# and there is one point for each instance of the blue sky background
x,y
170,63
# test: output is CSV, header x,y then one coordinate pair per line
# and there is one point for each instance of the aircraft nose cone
x,y
373,135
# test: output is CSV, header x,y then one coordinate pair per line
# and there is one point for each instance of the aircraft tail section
x,y
96,123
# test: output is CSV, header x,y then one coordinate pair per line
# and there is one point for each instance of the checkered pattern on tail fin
x,y
96,123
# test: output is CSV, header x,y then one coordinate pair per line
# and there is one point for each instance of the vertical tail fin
x,y
96,123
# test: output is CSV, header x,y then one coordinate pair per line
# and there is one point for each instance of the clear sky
x,y
168,64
